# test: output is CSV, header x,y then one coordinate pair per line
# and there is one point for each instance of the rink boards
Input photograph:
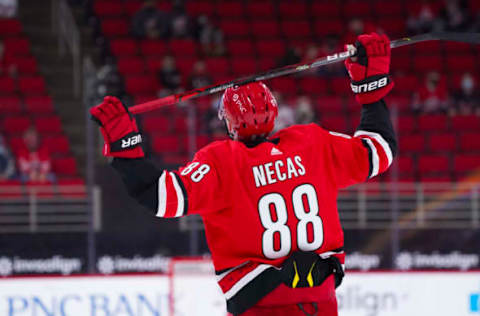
x,y
361,294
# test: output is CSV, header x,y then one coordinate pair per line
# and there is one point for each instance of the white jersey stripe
x,y
375,159
381,141
180,198
245,280
162,196
222,275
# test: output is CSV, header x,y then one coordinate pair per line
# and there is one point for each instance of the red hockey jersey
x,y
260,204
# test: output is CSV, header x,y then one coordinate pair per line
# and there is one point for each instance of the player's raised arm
x,y
191,189
373,147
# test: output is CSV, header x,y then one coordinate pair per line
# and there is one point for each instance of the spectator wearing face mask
x,y
467,98
34,159
432,97
304,113
169,77
199,77
149,22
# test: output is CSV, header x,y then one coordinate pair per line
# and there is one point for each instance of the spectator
x,y
455,16
33,159
210,37
181,23
199,76
293,55
286,115
304,113
8,8
169,76
467,98
7,163
215,127
109,81
423,20
331,45
432,97
149,22
357,27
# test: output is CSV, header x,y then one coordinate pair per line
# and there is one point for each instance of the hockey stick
x,y
472,38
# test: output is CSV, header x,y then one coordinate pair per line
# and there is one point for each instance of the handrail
x,y
63,23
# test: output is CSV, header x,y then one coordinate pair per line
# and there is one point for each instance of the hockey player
x,y
268,202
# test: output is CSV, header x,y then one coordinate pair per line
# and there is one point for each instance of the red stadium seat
x,y
292,10
266,63
7,85
401,103
65,166
32,85
108,8
340,86
411,143
10,27
57,144
218,65
265,28
313,85
200,7
180,125
406,124
154,64
39,104
405,84
131,65
165,144
325,27
405,164
428,63
156,124
15,124
259,9
334,123
444,142
470,142
401,64
141,84
16,144
234,9
383,8
49,124
123,47
25,64
185,64
333,104
10,105
325,9
235,28
463,163
465,123
149,47
296,29
131,7
432,122
284,85
392,26
461,64
244,66
17,46
457,48
433,164
115,27
428,48
240,48
183,47
356,8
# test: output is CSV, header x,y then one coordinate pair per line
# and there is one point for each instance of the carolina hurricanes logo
x,y
237,102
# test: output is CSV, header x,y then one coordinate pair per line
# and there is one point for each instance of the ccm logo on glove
x,y
361,87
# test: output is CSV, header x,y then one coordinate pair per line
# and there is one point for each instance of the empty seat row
x,y
27,85
13,104
44,124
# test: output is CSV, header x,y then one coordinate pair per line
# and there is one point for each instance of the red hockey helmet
x,y
248,111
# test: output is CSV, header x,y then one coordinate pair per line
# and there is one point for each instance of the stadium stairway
x,y
58,71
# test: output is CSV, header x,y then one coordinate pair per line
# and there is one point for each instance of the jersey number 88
x,y
280,226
